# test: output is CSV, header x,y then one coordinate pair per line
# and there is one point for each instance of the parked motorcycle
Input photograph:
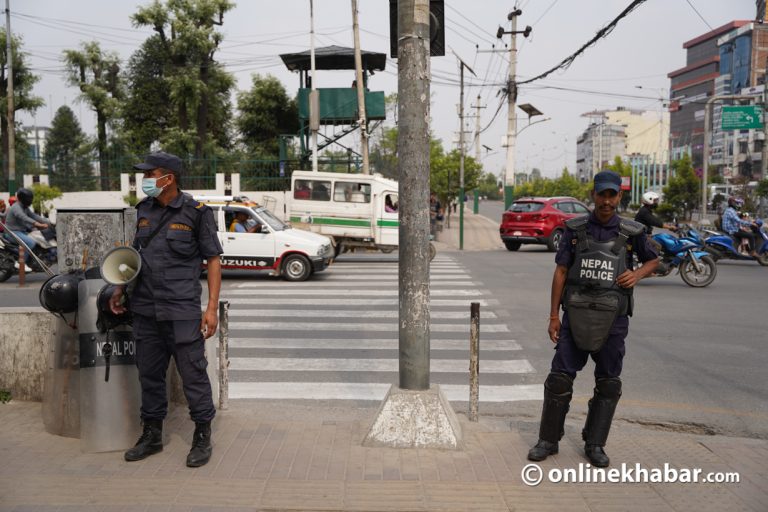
x,y
695,265
45,252
723,246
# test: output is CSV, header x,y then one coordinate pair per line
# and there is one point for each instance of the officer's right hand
x,y
116,301
554,329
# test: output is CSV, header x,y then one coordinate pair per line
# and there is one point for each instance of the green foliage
x,y
23,99
5,396
622,168
683,193
266,112
198,88
565,185
444,177
383,152
131,200
762,188
96,74
67,153
43,194
489,186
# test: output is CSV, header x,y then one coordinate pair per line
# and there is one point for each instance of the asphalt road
x,y
695,357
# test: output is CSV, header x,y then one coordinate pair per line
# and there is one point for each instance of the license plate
x,y
517,233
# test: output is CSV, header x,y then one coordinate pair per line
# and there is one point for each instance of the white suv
x,y
268,243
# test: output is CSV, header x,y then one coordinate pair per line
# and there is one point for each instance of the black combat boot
x,y
200,453
558,390
150,442
599,418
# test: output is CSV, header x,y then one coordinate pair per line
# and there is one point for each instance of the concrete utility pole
x,y
360,90
415,414
477,129
509,172
314,99
11,110
413,79
764,160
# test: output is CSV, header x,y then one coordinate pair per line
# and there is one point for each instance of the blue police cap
x,y
161,159
605,180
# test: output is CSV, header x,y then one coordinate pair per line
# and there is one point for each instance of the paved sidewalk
x,y
480,233
272,456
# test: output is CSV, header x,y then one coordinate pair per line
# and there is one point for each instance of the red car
x,y
538,220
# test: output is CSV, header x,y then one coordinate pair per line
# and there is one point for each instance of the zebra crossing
x,y
335,337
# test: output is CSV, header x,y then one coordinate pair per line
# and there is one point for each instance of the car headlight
x,y
324,249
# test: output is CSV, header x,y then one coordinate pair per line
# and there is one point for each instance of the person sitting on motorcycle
x,y
3,213
21,219
732,224
645,214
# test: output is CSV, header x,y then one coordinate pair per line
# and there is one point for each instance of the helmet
x,y
59,293
651,198
25,196
735,202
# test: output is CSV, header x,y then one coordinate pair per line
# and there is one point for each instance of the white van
x,y
355,210
268,243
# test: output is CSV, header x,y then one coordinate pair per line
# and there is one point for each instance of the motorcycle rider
x,y
21,220
646,216
732,223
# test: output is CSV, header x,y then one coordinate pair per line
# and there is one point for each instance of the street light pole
x,y
509,172
11,110
462,65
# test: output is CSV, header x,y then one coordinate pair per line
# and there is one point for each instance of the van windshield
x,y
269,218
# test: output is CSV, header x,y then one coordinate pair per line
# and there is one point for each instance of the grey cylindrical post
x,y
223,354
22,265
474,360
413,175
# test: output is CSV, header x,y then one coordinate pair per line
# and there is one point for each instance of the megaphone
x,y
121,265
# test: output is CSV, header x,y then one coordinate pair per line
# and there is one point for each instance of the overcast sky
x,y
643,48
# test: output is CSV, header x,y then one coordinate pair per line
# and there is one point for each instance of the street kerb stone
x,y
415,419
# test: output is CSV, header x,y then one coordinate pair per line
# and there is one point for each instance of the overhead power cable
x,y
603,32
700,16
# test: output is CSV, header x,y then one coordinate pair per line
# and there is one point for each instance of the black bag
x,y
591,316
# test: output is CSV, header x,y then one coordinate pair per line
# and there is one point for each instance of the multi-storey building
x,y
597,147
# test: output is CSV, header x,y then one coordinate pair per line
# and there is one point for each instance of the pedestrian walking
x,y
593,282
174,234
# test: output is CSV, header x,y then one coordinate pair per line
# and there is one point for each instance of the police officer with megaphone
x,y
593,281
174,234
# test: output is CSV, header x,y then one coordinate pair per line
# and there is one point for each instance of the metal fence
x,y
255,174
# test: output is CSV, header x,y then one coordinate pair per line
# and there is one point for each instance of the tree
x,y
489,185
266,112
67,153
23,99
565,185
146,110
43,194
444,172
96,73
622,168
186,32
683,193
383,153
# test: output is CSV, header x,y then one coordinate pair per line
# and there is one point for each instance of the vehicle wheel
x,y
432,251
387,249
513,246
692,277
762,259
6,270
554,240
296,268
337,250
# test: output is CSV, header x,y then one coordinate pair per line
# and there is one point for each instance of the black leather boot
x,y
201,450
598,425
150,442
558,390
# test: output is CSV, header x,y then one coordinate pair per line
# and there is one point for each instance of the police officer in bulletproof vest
x,y
593,282
174,234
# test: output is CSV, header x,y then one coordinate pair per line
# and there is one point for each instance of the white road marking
x,y
334,283
372,391
339,326
300,314
354,302
287,364
357,293
369,344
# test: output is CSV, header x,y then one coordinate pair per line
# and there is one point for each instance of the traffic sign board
x,y
742,117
